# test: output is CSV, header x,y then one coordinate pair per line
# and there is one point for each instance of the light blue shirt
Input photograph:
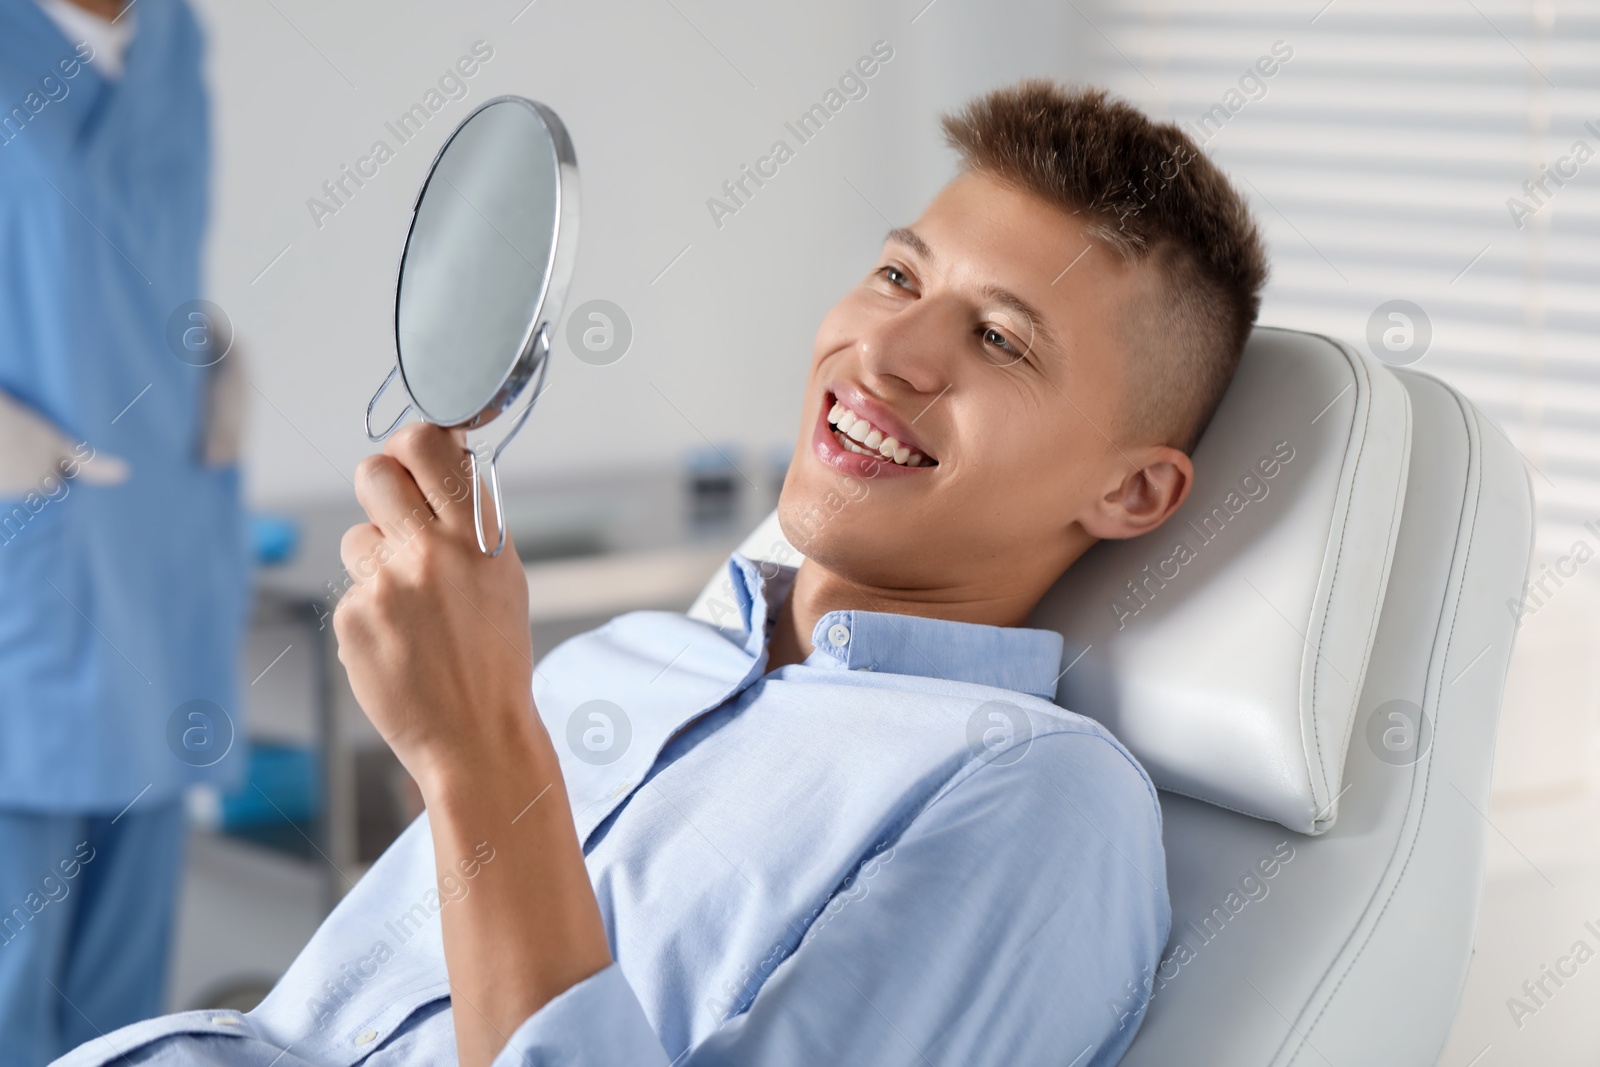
x,y
897,852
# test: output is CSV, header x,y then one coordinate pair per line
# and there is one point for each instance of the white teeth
x,y
859,435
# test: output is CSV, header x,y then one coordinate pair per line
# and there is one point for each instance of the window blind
x,y
1404,152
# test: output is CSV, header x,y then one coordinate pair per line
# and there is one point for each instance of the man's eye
x,y
994,337
895,276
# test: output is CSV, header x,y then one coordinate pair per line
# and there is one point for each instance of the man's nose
x,y
921,344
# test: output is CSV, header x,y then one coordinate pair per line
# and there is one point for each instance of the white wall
x,y
656,97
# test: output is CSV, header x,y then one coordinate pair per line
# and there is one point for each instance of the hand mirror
x,y
485,270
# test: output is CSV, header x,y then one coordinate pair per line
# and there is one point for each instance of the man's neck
x,y
106,9
817,591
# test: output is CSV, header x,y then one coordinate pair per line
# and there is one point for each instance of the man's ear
x,y
1145,498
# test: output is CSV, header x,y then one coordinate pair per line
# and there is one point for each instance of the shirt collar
x,y
1018,658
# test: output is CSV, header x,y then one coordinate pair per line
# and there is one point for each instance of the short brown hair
x,y
1149,193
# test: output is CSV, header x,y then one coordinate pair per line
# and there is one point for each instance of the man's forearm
x,y
527,927
434,637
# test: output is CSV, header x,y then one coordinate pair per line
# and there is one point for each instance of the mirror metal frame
x,y
533,361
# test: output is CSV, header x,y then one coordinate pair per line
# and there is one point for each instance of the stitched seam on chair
x,y
1320,772
1316,1020
1397,518
1471,416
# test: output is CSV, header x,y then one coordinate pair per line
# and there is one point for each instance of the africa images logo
x,y
852,85
1252,487
453,84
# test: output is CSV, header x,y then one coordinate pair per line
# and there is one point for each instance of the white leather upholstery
x,y
1227,648
1353,949
1358,952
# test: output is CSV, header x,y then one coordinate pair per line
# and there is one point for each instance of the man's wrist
x,y
482,764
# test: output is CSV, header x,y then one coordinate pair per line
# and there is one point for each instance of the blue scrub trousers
x,y
81,955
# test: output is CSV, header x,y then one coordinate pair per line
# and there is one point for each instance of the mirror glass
x,y
478,261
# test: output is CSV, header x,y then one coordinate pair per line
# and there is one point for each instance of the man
x,y
848,826
123,565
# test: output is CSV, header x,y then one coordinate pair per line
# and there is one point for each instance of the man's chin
x,y
820,521
838,534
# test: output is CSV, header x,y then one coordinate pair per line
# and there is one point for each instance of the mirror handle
x,y
541,348
374,403
477,506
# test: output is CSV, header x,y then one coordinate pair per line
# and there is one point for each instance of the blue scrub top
x,y
117,604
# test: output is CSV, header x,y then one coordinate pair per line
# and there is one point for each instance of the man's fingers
x,y
363,550
442,468
392,498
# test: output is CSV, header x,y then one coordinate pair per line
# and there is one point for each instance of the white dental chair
x,y
1314,686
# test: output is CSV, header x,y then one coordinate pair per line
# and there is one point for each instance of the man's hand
x,y
434,634
435,638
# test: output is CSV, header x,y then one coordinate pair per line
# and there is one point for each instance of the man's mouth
x,y
857,434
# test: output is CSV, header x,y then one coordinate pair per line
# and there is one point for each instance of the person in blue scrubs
x,y
844,823
123,560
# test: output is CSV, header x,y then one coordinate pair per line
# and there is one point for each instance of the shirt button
x,y
839,635
366,1037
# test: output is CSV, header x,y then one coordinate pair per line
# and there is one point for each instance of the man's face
x,y
988,348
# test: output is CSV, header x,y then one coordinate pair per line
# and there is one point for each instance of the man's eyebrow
x,y
1036,322
911,239
1004,297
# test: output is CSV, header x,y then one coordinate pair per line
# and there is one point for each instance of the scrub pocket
x,y
29,517
38,627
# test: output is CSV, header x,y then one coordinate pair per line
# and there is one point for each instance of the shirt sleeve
x,y
1019,918
597,1023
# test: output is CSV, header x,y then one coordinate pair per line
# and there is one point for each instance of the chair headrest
x,y
1227,648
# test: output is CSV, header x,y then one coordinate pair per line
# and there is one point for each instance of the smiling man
x,y
849,826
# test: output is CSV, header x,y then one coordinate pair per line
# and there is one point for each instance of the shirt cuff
x,y
597,1023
